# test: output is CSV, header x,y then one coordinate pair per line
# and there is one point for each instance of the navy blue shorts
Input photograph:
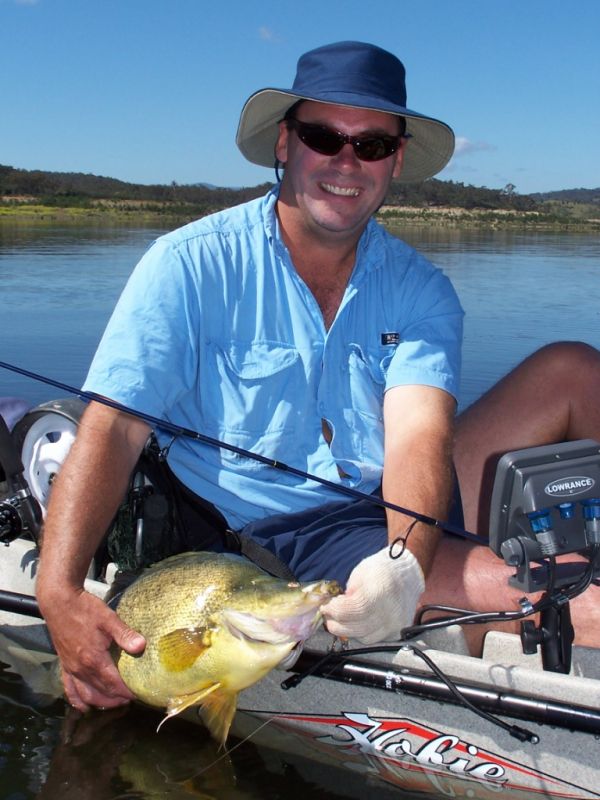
x,y
328,541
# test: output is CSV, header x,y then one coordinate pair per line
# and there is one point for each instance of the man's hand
x,y
380,599
83,629
85,496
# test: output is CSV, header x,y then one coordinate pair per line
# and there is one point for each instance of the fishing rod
x,y
178,430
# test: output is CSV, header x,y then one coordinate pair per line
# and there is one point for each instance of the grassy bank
x,y
100,212
131,212
552,219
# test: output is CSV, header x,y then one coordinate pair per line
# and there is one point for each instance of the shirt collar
x,y
270,221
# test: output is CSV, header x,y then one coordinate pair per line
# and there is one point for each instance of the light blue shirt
x,y
215,331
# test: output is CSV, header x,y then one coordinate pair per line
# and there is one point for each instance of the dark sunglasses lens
x,y
375,148
321,140
329,142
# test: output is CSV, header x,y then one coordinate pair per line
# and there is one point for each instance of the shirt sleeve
x,y
429,351
147,356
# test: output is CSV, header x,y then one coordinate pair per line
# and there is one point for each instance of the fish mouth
x,y
282,627
290,630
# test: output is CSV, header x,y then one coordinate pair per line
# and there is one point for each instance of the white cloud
x,y
268,35
466,147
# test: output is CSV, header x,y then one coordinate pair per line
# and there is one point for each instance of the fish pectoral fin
x,y
180,648
217,711
178,704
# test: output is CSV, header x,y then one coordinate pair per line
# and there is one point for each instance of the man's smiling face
x,y
334,196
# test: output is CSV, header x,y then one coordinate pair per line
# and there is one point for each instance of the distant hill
x,y
571,196
67,189
434,192
77,188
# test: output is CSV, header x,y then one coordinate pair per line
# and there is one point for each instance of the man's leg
x,y
325,542
470,576
552,396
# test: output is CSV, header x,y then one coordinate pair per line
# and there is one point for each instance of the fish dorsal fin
x,y
178,704
179,649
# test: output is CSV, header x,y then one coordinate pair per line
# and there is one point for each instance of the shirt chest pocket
x,y
252,388
367,372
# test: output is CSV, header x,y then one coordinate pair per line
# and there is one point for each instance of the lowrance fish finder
x,y
545,503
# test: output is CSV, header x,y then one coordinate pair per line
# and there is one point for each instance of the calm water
x,y
519,291
57,287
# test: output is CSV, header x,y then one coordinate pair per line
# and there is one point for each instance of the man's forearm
x,y
422,484
418,473
86,494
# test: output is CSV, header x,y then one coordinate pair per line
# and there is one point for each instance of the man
x,y
297,328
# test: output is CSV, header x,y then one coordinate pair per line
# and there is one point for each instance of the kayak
x,y
418,716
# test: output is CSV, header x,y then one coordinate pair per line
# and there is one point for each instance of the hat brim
x,y
429,149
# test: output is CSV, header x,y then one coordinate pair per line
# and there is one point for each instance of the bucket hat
x,y
353,74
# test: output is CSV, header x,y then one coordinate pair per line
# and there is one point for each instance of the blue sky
x,y
150,90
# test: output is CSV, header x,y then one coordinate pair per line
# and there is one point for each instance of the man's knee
x,y
567,357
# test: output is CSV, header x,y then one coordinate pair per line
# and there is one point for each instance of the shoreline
x,y
127,212
496,218
102,214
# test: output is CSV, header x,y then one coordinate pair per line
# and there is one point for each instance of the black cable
x,y
469,617
334,657
522,734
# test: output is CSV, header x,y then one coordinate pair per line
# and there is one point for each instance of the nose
x,y
346,158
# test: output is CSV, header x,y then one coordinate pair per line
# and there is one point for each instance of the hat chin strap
x,y
278,164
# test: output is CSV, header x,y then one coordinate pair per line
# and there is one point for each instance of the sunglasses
x,y
329,142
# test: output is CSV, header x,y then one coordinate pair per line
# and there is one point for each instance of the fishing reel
x,y
20,513
30,458
546,504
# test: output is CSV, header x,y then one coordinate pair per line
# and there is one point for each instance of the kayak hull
x,y
385,716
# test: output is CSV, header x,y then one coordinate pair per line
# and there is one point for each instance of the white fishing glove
x,y
380,599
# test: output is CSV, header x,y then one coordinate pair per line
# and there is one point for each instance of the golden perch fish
x,y
214,624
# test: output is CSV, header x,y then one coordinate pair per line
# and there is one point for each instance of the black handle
x,y
10,459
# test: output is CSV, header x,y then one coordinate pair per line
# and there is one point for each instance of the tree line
x,y
76,188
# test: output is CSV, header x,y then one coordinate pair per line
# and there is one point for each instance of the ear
x,y
282,143
399,156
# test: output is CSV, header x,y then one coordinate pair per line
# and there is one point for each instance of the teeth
x,y
350,191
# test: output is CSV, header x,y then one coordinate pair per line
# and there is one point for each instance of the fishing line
x,y
227,751
178,430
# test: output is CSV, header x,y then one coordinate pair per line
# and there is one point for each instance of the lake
x,y
58,285
519,290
